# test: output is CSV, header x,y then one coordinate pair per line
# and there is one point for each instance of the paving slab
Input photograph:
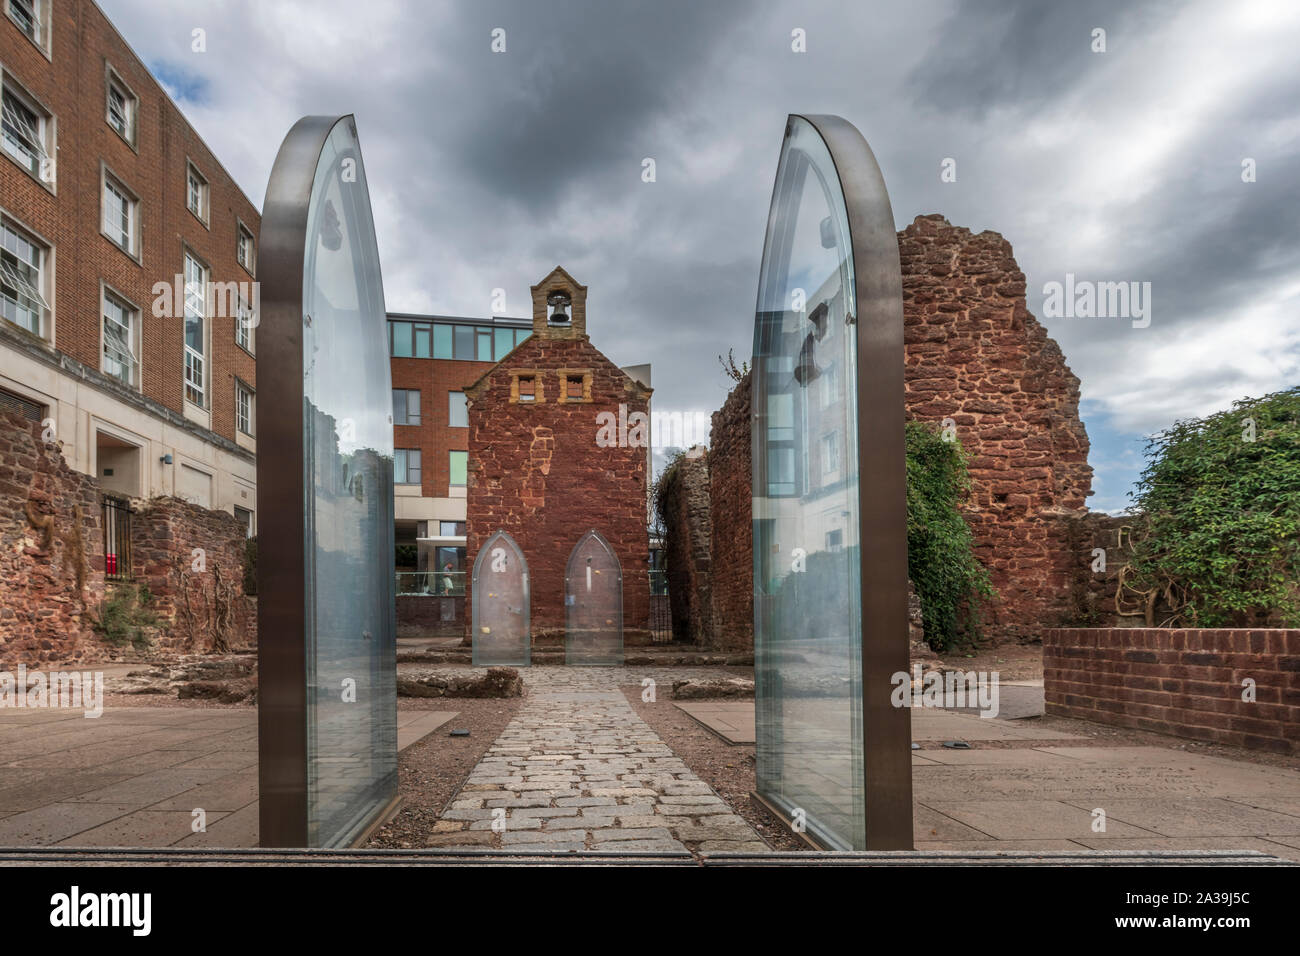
x,y
134,776
733,721
1033,820
1199,817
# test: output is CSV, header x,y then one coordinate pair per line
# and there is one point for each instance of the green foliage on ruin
x,y
663,494
1219,503
949,581
124,615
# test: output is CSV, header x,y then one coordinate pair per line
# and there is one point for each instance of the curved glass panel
x,y
500,587
348,472
593,598
807,565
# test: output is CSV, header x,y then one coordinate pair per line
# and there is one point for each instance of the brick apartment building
x,y
108,197
434,359
553,456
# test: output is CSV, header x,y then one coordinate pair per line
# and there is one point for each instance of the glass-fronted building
x,y
433,358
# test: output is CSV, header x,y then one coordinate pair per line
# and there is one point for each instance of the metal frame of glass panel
x,y
327,738
501,615
830,533
593,603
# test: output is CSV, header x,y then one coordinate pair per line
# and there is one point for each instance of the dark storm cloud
x,y
1024,54
487,170
580,87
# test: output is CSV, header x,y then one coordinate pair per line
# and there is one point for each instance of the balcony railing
x,y
432,583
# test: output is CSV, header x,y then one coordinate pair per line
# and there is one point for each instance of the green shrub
x,y
1219,503
949,581
123,616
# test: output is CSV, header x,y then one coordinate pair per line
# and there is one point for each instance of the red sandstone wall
x,y
537,472
1187,683
51,549
976,355
206,608
50,515
688,551
732,564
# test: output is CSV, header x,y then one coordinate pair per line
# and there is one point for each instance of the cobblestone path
x,y
578,769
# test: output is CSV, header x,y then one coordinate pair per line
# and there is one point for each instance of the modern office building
x,y
434,358
128,263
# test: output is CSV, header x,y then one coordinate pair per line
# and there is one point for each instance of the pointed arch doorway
x,y
593,598
502,635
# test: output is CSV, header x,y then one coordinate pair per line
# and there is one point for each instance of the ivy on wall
x,y
950,583
1219,505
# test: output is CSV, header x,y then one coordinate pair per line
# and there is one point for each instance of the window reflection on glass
x,y
806,560
348,441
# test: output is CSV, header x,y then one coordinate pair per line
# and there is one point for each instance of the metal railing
x,y
432,583
117,538
661,618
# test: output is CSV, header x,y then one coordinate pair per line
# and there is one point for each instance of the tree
x,y
1219,502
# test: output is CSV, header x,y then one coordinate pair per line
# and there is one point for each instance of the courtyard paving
x,y
577,769
135,775
1026,784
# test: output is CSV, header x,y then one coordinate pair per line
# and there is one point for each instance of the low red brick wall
x,y
1188,683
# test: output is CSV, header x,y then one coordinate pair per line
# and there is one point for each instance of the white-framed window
x,y
196,303
24,278
244,324
122,106
406,466
247,518
32,17
121,340
121,215
830,453
457,410
196,192
26,130
244,399
245,249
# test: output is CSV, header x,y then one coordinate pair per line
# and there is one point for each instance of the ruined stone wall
x,y
537,471
732,560
688,546
192,561
52,581
976,356
51,549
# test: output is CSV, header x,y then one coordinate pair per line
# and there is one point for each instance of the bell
x,y
806,370
558,302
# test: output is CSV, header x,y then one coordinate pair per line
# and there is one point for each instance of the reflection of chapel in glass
x,y
593,597
502,635
327,673
830,547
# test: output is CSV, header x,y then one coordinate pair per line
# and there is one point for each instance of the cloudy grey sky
x,y
488,169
